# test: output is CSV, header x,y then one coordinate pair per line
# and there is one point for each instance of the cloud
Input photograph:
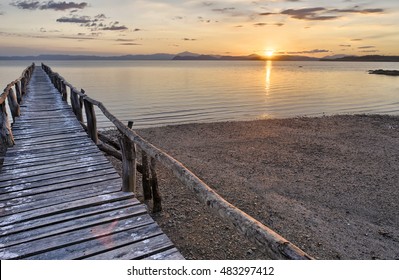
x,y
75,19
125,40
259,24
50,5
207,4
100,17
267,14
366,47
96,23
345,46
44,30
369,51
137,30
189,39
26,5
309,51
62,6
321,13
308,14
115,27
130,44
364,11
224,10
356,40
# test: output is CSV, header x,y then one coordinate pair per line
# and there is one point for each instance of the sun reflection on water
x,y
268,74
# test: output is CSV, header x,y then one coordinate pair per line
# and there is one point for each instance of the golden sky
x,y
118,27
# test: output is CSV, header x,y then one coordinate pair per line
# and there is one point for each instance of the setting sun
x,y
269,53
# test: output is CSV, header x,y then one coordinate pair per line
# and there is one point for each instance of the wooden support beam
x,y
129,171
18,92
156,197
63,90
91,121
145,176
23,86
6,136
13,103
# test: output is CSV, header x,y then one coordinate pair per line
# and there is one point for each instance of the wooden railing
x,y
14,99
272,243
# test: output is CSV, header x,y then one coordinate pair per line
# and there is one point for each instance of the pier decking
x,y
60,198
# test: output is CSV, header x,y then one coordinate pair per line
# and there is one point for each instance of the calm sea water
x,y
154,93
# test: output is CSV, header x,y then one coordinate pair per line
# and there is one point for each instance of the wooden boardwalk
x,y
60,198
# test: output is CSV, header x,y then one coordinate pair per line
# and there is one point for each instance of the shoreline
x,y
327,184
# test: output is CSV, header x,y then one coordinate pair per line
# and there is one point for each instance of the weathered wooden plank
x,y
99,232
69,165
98,182
53,175
65,143
63,207
32,174
68,226
137,250
47,166
40,140
32,133
135,233
29,159
28,203
106,173
69,215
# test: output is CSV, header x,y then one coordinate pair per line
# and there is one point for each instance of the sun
x,y
269,53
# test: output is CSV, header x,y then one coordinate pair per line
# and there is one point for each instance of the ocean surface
x,y
155,93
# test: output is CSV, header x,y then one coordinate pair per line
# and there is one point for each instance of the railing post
x,y
156,197
145,176
6,136
76,105
91,121
23,86
13,103
129,161
18,92
63,90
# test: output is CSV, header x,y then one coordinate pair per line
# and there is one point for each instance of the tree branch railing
x,y
13,93
271,242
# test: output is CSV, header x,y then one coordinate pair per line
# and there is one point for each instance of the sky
x,y
117,27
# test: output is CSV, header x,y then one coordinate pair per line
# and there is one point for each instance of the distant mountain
x,y
335,56
376,58
44,57
247,57
188,54
294,58
195,56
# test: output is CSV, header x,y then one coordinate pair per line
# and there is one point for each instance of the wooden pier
x,y
60,198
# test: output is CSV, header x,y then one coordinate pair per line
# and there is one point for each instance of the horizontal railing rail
x,y
271,242
14,100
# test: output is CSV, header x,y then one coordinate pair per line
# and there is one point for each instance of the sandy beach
x,y
328,184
